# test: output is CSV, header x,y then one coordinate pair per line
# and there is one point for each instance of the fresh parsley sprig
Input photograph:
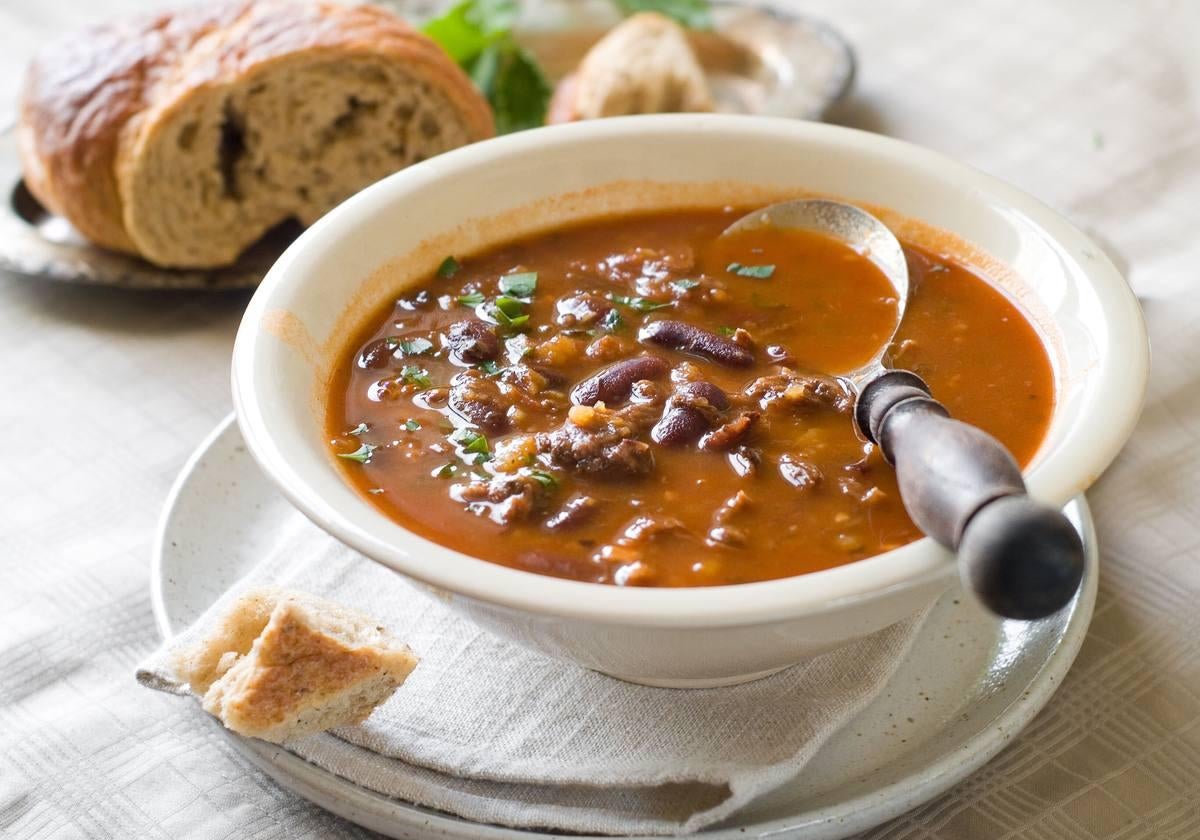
x,y
639,304
478,36
362,455
473,443
759,272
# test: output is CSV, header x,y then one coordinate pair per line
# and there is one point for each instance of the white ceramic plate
x,y
968,686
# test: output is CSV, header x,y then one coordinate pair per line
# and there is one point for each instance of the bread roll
x,y
185,136
645,65
284,665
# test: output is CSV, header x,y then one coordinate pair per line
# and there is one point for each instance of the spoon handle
x,y
962,487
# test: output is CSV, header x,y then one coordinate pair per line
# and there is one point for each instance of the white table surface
x,y
103,394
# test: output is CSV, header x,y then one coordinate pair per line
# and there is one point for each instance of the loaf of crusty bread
x,y
283,665
645,65
185,136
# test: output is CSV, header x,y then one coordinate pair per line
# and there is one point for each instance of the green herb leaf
x,y
362,454
509,312
412,425
513,84
760,272
544,478
445,471
685,284
375,491
694,14
413,375
510,306
477,35
727,331
359,429
473,443
612,320
467,28
519,285
489,367
641,304
472,299
494,16
448,268
410,346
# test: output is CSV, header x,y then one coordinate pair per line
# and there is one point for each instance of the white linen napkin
x,y
495,733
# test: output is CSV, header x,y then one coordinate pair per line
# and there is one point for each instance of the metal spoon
x,y
959,484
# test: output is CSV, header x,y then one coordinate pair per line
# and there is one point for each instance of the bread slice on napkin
x,y
282,665
185,136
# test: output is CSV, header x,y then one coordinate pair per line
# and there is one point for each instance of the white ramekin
x,y
394,233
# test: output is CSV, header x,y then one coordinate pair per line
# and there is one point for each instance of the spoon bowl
x,y
858,229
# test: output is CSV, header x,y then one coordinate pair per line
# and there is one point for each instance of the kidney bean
x,y
707,391
690,413
679,425
680,336
614,383
473,341
375,355
574,512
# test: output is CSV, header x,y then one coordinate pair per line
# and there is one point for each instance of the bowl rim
x,y
1058,475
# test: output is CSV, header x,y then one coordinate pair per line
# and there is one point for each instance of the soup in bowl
x,y
532,376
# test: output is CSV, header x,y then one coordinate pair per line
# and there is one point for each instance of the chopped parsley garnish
x,y
519,285
448,268
509,312
362,454
685,284
413,375
544,478
412,425
473,443
761,272
612,320
489,367
445,471
727,331
472,299
375,491
410,346
359,429
641,304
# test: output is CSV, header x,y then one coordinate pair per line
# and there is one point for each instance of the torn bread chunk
x,y
643,66
283,665
183,136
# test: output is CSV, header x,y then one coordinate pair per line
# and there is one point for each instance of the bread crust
x,y
92,100
285,664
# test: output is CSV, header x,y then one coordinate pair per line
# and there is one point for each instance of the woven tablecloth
x,y
103,394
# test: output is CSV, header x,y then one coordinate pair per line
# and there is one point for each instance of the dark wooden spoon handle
x,y
963,488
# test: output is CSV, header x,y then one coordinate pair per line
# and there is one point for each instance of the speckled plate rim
x,y
395,818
